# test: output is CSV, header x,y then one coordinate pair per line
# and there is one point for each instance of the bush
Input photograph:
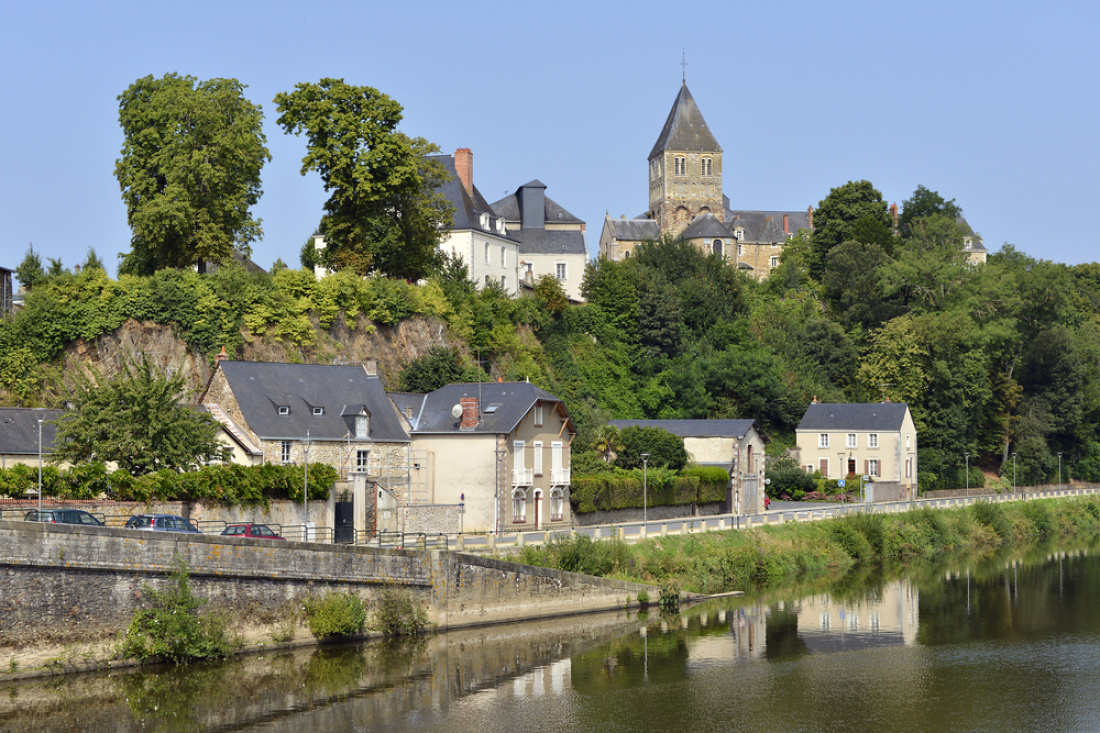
x,y
172,629
335,614
398,613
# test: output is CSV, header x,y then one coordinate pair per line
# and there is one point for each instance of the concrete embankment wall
x,y
61,582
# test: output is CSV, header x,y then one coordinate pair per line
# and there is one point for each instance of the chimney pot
x,y
786,224
222,356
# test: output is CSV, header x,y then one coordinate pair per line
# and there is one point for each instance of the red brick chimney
x,y
810,216
786,224
222,356
470,410
894,213
464,167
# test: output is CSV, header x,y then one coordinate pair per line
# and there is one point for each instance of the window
x,y
539,410
872,440
486,253
716,246
557,505
284,451
318,411
706,166
851,440
775,261
519,505
681,165
504,282
908,468
486,281
560,270
739,234
362,459
284,410
739,250
536,449
502,259
362,426
823,466
872,467
823,440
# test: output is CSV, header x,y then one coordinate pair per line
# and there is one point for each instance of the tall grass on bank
x,y
717,562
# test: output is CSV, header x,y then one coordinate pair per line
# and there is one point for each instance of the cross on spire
x,y
684,64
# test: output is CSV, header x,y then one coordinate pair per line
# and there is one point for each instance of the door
x,y
344,531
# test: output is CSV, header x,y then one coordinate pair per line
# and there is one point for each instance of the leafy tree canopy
x,y
190,171
30,271
837,215
384,211
442,365
925,203
665,449
137,420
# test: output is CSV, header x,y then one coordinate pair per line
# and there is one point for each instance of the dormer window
x,y
318,411
284,409
362,425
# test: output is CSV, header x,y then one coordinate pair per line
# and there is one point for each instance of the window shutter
x,y
866,468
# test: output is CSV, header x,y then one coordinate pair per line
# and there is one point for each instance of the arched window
x,y
557,504
681,165
706,166
519,505
716,246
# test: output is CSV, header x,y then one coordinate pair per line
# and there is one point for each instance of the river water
x,y
1010,643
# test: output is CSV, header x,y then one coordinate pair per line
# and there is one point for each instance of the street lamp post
x,y
1014,474
305,488
40,465
967,456
645,491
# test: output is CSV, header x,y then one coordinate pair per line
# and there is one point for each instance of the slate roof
x,y
975,239
549,241
635,230
508,208
706,225
467,209
874,416
19,431
767,226
260,388
512,401
693,428
685,128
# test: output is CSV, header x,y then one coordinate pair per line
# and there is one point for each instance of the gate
x,y
344,531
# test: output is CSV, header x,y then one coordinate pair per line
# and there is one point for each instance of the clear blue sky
x,y
992,104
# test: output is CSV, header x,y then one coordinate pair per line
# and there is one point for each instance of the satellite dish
x,y
456,411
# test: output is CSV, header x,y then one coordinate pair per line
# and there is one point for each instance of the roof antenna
x,y
883,386
684,63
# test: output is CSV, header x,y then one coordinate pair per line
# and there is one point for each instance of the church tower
x,y
685,169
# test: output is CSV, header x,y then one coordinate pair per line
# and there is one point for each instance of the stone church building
x,y
686,200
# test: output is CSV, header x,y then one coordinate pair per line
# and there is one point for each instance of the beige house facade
x,y
500,450
19,435
877,440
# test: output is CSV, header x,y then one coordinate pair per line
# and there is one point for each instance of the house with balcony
x,y
499,450
877,440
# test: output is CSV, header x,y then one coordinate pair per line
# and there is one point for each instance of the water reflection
x,y
952,645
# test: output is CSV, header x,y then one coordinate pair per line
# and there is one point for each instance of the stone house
x,y
620,237
878,440
19,435
499,450
735,445
551,240
291,413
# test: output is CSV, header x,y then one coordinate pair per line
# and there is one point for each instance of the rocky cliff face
x,y
391,346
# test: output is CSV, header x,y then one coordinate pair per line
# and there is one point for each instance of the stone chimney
x,y
464,167
786,223
532,205
810,216
470,410
370,366
894,213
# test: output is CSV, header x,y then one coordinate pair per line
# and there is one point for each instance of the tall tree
x,y
384,211
137,420
836,218
30,271
925,203
189,172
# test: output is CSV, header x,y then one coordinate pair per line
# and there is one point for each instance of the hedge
x,y
227,484
625,489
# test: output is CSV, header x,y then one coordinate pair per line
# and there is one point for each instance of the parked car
x,y
248,529
161,523
63,516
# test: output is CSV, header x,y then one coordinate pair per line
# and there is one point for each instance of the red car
x,y
254,531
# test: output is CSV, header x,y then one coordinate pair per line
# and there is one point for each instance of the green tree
x,y
665,449
30,271
384,211
925,203
189,172
136,419
852,285
442,365
837,215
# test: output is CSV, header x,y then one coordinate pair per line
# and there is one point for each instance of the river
x,y
1009,643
